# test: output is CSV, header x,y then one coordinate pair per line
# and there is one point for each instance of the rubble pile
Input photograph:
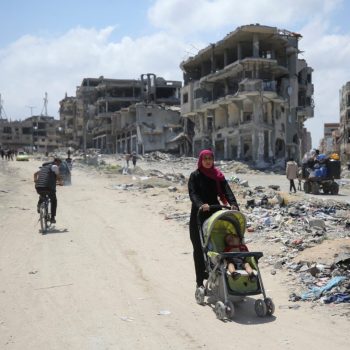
x,y
172,177
294,227
159,156
321,282
236,167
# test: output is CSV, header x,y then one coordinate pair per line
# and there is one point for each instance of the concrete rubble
x,y
296,227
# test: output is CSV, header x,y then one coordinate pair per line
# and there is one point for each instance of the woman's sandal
x,y
252,277
235,275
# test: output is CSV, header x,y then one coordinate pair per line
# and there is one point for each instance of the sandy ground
x,y
114,274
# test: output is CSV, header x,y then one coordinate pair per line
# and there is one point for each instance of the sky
x,y
50,46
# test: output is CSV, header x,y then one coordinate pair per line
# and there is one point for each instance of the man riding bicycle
x,y
45,183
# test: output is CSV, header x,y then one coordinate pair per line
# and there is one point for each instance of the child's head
x,y
231,240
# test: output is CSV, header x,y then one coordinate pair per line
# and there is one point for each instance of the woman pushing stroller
x,y
206,186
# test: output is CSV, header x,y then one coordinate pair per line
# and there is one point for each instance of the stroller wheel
x,y
270,306
260,308
220,310
230,309
199,295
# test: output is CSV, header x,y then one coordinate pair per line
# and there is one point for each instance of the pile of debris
x,y
236,167
159,156
326,283
295,226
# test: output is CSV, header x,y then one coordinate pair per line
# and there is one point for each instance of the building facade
x,y
344,128
71,123
328,142
36,133
248,95
123,115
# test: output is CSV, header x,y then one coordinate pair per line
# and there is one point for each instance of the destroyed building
x,y
343,139
71,124
124,115
327,143
249,95
38,133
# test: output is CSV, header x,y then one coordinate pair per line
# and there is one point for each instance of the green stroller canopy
x,y
218,225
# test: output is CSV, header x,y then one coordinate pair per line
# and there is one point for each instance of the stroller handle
x,y
218,206
215,206
211,208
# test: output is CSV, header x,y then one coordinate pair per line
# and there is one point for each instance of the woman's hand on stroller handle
x,y
207,207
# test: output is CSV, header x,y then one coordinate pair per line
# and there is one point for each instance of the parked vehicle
x,y
22,156
321,175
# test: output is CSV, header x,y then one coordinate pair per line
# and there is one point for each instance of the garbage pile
x,y
295,227
324,283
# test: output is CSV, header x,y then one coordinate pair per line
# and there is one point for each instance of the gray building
x,y
148,127
123,115
248,95
327,143
343,140
38,133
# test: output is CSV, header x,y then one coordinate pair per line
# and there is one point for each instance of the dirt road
x,y
113,274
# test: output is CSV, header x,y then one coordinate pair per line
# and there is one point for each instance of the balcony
x,y
102,129
102,115
247,118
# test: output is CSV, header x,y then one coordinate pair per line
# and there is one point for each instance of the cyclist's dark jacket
x,y
46,178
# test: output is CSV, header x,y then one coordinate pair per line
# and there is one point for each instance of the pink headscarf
x,y
213,173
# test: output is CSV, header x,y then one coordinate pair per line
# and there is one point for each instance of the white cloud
x,y
32,66
183,16
328,54
325,50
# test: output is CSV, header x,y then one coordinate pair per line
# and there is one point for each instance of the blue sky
x,y
54,18
48,46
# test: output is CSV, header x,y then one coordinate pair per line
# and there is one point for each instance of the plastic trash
x,y
164,312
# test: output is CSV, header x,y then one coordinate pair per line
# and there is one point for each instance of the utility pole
x,y
45,105
2,111
35,127
31,109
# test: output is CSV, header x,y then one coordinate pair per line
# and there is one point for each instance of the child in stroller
x,y
233,244
223,286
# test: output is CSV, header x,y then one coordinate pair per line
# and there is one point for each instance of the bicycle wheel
x,y
43,217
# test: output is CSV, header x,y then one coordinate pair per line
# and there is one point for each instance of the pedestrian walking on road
x,y
127,159
292,174
134,158
206,186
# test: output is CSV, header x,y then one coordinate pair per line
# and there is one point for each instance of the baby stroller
x,y
220,284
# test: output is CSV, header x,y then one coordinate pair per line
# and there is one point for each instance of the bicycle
x,y
45,212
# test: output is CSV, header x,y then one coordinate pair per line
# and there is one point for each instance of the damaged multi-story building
x,y
328,141
248,95
36,133
71,122
343,137
124,115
